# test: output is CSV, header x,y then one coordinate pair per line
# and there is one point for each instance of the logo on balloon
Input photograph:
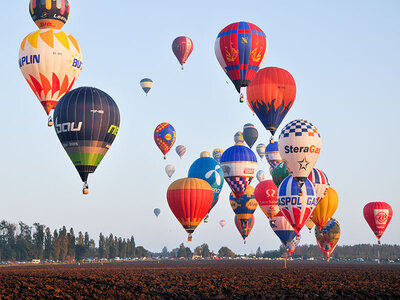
x,y
270,193
381,217
215,172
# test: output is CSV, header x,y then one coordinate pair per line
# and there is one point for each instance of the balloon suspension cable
x,y
271,140
50,121
190,237
85,189
241,98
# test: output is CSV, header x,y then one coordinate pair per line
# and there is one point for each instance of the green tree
x,y
102,245
48,244
141,252
56,246
164,252
63,243
258,252
205,252
71,244
23,246
38,240
226,252
111,242
182,251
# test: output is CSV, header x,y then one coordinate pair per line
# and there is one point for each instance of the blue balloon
x,y
210,170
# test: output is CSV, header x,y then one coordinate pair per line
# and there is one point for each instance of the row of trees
x,y
23,243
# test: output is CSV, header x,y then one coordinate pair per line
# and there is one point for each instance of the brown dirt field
x,y
202,280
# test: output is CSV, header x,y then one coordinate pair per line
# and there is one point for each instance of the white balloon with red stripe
x,y
320,182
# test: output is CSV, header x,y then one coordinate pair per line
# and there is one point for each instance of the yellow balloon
x,y
325,208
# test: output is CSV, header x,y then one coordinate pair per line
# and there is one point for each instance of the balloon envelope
x,y
378,216
279,173
250,134
282,228
239,164
238,138
164,136
182,47
261,150
217,153
300,146
49,14
272,154
189,200
320,182
325,208
296,204
260,175
240,49
170,170
146,84
86,122
328,237
50,61
246,205
270,95
180,150
244,226
157,212
265,194
222,223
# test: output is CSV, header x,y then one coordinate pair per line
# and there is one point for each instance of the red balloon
x,y
265,193
244,226
378,216
182,47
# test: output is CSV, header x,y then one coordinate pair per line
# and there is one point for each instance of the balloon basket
x,y
190,238
206,219
241,99
50,122
165,157
85,189
182,67
245,242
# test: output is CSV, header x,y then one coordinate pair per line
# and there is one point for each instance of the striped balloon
x,y
238,138
320,182
272,154
244,226
86,122
180,150
49,14
296,204
182,47
146,84
282,228
261,150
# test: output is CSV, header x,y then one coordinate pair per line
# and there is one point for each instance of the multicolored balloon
x,y
378,216
260,175
146,84
266,196
296,206
320,182
189,200
246,205
328,237
241,49
205,154
239,164
282,228
180,150
170,170
300,146
49,14
217,153
182,47
208,169
164,136
244,226
51,61
325,208
86,123
261,150
250,134
222,223
238,138
272,154
270,95
279,173
291,247
157,212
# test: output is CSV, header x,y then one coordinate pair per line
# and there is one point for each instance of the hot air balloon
x,y
378,216
146,84
205,154
325,208
164,136
190,199
291,247
297,209
239,164
261,150
282,228
260,175
271,94
157,212
238,138
182,46
222,223
279,173
208,169
309,224
170,170
51,61
250,134
180,150
217,153
244,226
266,193
50,14
241,49
86,122
300,146
320,182
246,205
327,237
272,154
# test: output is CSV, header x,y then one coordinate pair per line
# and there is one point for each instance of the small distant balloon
x,y
238,138
170,170
182,47
180,150
205,154
217,153
261,175
250,134
146,85
222,223
157,212
261,150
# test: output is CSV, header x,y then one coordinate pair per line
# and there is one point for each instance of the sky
x,y
343,56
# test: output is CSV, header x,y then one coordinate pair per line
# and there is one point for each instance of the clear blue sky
x,y
342,54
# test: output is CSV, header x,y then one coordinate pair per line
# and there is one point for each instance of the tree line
x,y
23,243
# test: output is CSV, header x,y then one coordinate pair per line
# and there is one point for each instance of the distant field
x,y
202,280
